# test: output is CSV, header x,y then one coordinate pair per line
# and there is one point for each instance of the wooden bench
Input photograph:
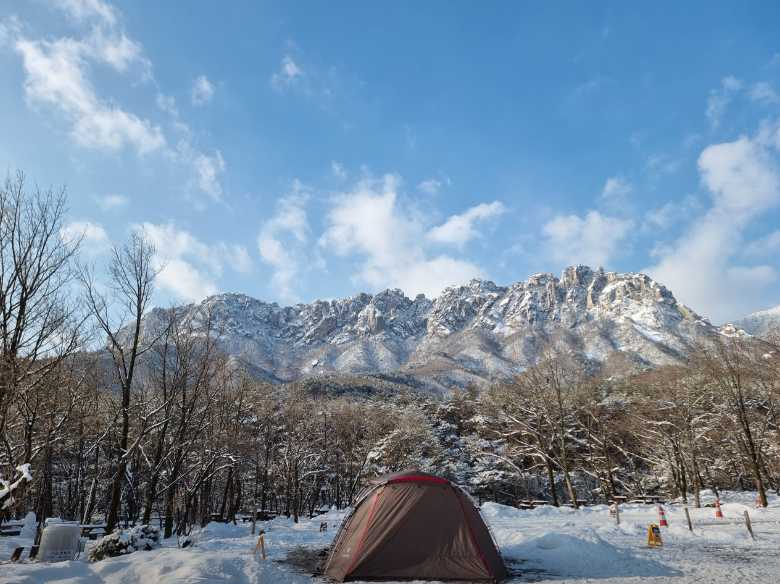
x,y
266,515
648,500
93,530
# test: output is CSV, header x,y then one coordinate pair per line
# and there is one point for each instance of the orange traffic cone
x,y
662,517
718,512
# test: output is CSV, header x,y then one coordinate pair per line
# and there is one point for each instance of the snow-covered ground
x,y
542,545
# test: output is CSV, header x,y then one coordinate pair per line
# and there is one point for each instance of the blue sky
x,y
295,151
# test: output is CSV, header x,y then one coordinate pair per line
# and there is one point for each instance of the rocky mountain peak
x,y
473,333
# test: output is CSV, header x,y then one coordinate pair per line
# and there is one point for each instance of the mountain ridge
x,y
761,323
476,333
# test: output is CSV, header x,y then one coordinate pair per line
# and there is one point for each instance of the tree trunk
x,y
570,488
698,484
169,511
151,489
753,456
551,479
226,494
116,486
90,504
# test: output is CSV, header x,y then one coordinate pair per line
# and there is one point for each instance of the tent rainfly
x,y
414,526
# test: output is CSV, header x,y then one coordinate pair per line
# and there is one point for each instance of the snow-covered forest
x,y
103,421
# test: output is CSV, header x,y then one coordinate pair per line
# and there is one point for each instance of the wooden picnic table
x,y
11,528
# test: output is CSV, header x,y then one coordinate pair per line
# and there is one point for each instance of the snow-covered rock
x,y
470,334
126,541
761,323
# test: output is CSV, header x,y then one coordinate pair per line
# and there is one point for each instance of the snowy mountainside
x,y
761,323
475,333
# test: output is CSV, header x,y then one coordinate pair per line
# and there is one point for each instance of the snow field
x,y
546,544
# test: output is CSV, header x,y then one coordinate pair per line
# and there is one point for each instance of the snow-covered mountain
x,y
470,334
761,323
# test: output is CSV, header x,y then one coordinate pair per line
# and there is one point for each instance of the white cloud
x,y
106,41
167,103
208,169
184,280
57,76
281,240
81,10
288,75
743,180
111,201
670,213
117,50
742,177
430,186
202,90
310,80
236,256
93,237
189,268
55,73
338,170
756,276
593,239
368,222
658,165
765,246
460,229
719,99
763,92
616,189
10,29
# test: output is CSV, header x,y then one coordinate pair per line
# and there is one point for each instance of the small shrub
x,y
126,541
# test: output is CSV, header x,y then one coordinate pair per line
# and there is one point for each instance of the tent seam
x,y
359,548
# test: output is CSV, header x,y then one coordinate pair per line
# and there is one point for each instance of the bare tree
x,y
39,325
732,368
118,313
542,421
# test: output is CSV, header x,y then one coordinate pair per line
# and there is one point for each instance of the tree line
x,y
129,420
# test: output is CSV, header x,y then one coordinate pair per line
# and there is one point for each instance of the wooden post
x,y
261,544
617,513
749,525
688,518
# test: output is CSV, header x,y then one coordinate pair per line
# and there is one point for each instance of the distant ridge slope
x,y
475,333
761,323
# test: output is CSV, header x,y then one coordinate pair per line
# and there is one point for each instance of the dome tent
x,y
414,526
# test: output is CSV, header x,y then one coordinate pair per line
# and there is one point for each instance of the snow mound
x,y
585,555
496,511
126,541
217,530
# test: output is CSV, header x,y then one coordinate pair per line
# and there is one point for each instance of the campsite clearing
x,y
545,544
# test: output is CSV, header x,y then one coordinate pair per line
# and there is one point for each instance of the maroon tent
x,y
414,526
